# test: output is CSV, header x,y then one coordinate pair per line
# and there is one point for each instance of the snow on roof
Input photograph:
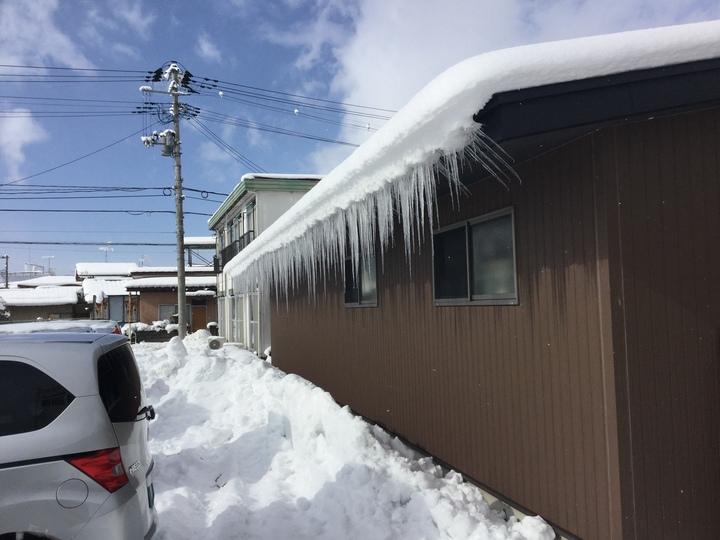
x,y
281,176
398,167
104,269
170,270
48,280
101,289
200,293
171,282
41,296
200,241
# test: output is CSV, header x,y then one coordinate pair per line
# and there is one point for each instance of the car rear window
x,y
119,383
29,398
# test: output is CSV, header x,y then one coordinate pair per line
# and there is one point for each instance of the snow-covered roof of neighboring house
x,y
144,270
170,282
197,241
101,289
48,280
105,269
40,296
252,182
398,167
200,293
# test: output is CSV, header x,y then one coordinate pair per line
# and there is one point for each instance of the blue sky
x,y
370,52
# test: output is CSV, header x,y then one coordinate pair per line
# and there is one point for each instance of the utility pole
x,y
7,282
170,139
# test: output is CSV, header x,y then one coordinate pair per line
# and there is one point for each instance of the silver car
x,y
74,458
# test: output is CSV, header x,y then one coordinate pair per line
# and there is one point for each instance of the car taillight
x,y
104,466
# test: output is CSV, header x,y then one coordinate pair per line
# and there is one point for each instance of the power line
x,y
75,68
97,211
75,160
224,146
67,243
79,188
78,197
289,94
94,231
250,124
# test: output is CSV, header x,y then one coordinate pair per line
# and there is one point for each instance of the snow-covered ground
x,y
243,450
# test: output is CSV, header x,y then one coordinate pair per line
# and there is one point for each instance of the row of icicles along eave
x,y
354,232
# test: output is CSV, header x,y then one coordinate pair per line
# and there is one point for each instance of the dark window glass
x,y
119,383
29,399
450,254
361,288
493,261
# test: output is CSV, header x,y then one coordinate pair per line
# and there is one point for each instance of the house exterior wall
x,y
510,395
148,303
665,217
272,204
30,313
594,401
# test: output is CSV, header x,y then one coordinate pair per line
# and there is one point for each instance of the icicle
x,y
366,224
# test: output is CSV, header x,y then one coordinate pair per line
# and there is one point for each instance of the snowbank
x,y
243,450
399,166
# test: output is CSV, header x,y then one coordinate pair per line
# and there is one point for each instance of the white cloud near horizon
x,y
15,134
390,50
206,49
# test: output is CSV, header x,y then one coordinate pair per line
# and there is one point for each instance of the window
x,y
119,383
361,284
29,399
475,261
167,311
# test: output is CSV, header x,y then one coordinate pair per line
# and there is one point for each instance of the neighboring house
x,y
554,338
155,299
46,302
104,290
255,203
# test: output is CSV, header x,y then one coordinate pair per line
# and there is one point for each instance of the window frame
x,y
470,299
360,303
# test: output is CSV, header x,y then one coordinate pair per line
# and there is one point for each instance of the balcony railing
x,y
235,247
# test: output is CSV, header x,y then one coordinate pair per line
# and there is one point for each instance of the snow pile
x,y
100,289
41,296
243,450
398,167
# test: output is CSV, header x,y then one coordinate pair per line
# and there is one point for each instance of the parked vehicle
x,y
101,326
74,457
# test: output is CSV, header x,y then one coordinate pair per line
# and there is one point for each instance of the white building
x,y
256,202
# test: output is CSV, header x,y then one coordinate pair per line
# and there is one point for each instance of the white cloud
x,y
206,49
15,134
29,35
131,13
384,52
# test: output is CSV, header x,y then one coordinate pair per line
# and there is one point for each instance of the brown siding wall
x,y
667,323
594,402
511,395
150,301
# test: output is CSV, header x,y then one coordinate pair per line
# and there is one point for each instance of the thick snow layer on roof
x,y
170,282
244,450
170,269
200,241
48,280
398,167
42,296
281,176
200,293
104,269
100,289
